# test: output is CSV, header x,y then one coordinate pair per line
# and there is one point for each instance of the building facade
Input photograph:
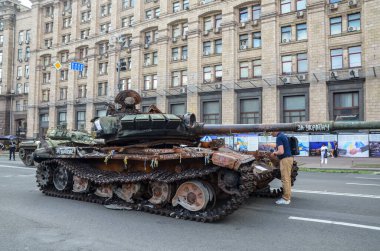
x,y
227,61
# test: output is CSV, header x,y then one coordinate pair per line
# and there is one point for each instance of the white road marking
x,y
335,223
18,176
365,178
19,167
338,194
361,184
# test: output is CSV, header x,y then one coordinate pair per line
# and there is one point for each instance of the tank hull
x,y
135,178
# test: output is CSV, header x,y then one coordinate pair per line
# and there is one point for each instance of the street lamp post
x,y
11,112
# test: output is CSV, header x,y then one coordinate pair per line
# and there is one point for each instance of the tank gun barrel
x,y
329,126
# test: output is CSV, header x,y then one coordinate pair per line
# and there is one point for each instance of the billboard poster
x,y
316,142
374,145
228,141
246,142
353,145
267,143
303,143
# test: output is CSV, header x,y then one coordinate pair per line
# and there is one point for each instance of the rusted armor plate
x,y
231,160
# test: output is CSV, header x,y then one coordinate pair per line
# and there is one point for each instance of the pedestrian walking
x,y
283,152
335,149
12,150
324,154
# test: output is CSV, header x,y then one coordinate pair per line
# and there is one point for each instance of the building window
x,y
82,91
175,54
249,111
155,58
27,71
45,95
256,43
19,89
353,22
147,59
175,78
256,12
81,120
301,5
62,118
211,112
102,89
355,56
62,93
64,74
302,63
26,88
336,59
207,74
176,6
207,24
185,4
301,31
335,25
27,52
103,68
286,65
184,77
346,105
19,54
294,109
285,6
101,113
178,109
257,68
150,82
67,22
19,71
49,27
244,70
243,14
176,31
286,34
85,16
46,78
184,52
243,41
206,48
218,46
218,73
21,37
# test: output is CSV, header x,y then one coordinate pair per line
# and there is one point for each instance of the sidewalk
x,y
371,164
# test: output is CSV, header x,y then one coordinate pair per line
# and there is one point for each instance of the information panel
x,y
353,145
316,142
374,145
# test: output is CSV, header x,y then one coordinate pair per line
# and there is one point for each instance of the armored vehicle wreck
x,y
155,162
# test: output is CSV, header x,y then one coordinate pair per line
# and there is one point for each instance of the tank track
x,y
96,176
276,193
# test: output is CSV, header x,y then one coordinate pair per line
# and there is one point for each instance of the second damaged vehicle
x,y
155,162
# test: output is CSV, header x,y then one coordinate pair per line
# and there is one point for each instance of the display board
x,y
353,145
267,143
246,142
228,141
303,143
374,145
316,142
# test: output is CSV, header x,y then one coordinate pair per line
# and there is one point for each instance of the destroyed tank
x,y
155,162
53,138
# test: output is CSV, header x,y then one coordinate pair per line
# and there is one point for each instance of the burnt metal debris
x,y
155,162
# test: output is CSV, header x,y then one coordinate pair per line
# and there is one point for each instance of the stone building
x,y
227,61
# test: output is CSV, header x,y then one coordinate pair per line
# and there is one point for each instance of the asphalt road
x,y
328,212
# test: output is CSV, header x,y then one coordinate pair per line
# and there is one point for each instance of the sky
x,y
26,3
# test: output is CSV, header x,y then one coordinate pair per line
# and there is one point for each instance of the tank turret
x,y
130,126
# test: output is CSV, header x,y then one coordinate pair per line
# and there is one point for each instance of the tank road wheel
x,y
43,175
29,160
80,185
193,195
22,153
62,179
161,192
228,181
127,191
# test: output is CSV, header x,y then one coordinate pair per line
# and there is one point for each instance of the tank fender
x,y
230,159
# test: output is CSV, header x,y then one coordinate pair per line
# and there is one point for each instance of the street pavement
x,y
329,211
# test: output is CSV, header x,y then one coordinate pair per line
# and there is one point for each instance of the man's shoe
x,y
283,202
